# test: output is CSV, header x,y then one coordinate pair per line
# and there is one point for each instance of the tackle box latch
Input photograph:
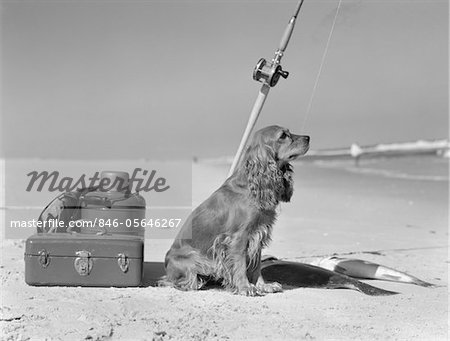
x,y
123,262
44,258
83,263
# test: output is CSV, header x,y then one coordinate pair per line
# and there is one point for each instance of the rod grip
x,y
257,107
287,35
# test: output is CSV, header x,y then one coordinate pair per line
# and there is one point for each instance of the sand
x,y
393,212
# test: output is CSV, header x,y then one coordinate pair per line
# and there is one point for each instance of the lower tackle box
x,y
75,259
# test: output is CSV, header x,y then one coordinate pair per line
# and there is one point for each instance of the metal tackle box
x,y
76,259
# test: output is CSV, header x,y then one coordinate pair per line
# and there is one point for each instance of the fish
x,y
363,269
300,275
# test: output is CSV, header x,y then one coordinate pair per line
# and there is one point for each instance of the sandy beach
x,y
163,90
391,211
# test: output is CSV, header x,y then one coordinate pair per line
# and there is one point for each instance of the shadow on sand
x,y
291,275
153,271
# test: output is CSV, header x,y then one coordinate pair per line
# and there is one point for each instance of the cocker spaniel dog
x,y
222,239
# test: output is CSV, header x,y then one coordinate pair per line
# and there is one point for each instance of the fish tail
x,y
423,283
371,290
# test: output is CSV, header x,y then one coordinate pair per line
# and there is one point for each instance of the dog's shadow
x,y
153,271
291,275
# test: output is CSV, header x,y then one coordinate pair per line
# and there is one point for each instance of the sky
x,y
170,79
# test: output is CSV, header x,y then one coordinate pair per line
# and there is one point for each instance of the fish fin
x,y
266,258
341,270
424,284
373,291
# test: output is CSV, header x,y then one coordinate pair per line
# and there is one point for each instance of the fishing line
x,y
324,56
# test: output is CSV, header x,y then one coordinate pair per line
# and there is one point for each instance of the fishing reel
x,y
268,72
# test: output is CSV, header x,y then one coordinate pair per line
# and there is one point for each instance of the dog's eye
x,y
283,136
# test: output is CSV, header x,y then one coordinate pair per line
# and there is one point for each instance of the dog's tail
x,y
165,282
185,269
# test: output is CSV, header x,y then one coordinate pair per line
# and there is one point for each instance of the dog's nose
x,y
306,137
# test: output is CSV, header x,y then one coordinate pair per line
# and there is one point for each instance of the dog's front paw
x,y
268,288
249,290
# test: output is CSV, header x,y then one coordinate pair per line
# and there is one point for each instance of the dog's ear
x,y
264,178
288,184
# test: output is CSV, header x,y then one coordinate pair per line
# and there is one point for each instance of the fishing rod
x,y
269,74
